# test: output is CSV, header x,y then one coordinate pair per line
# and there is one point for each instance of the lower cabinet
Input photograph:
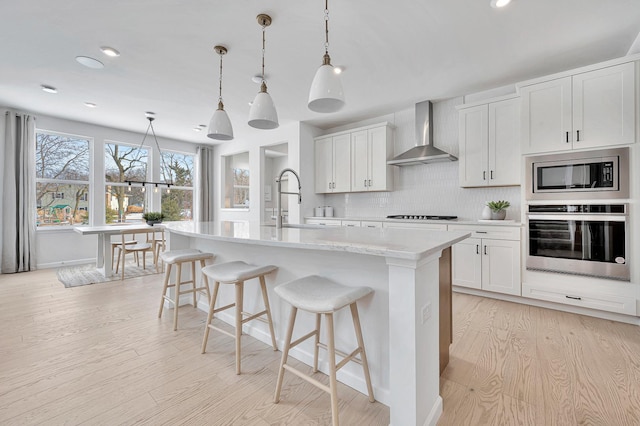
x,y
485,263
324,222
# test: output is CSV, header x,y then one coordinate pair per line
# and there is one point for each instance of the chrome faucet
x,y
279,201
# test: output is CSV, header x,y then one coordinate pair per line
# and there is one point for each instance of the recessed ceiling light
x,y
110,51
202,126
258,78
150,114
499,3
90,105
197,129
49,89
89,62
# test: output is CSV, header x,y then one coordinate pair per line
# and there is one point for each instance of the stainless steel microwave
x,y
584,175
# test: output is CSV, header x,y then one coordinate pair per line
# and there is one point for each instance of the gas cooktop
x,y
421,217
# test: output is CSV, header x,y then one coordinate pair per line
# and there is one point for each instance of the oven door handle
x,y
578,217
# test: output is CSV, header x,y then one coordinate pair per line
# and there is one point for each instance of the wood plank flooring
x,y
98,355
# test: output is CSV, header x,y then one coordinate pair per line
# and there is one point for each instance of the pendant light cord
x,y
164,166
220,95
263,49
326,26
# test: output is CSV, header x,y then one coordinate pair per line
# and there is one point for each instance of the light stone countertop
x,y
388,242
439,222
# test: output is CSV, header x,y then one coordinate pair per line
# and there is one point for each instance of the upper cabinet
x,y
370,150
333,163
586,110
489,137
355,161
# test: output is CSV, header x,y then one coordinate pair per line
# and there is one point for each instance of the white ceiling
x,y
395,53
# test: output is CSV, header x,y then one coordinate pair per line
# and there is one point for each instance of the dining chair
x,y
137,248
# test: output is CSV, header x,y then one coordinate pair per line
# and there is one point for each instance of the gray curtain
x,y
17,141
205,184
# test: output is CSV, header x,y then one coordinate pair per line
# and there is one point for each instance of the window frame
x,y
181,187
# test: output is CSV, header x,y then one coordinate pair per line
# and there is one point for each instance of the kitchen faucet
x,y
279,201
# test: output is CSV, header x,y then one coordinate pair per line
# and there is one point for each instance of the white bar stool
x,y
323,296
237,273
178,257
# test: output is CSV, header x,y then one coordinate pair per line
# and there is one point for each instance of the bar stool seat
x,y
322,296
178,257
237,272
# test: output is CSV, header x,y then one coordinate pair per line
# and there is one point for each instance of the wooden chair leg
x,y
212,305
363,354
123,255
205,281
316,347
118,262
176,301
167,276
265,298
239,307
144,259
193,284
333,384
285,353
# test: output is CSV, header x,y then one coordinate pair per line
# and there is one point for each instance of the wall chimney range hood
x,y
423,152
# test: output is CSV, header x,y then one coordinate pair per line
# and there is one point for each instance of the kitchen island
x,y
400,319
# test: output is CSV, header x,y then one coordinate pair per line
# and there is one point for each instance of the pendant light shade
x,y
262,114
220,125
326,93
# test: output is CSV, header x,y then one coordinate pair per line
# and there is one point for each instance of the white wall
x,y
426,188
55,247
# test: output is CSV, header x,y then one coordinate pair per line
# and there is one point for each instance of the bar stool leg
x,y
331,348
316,347
239,308
212,304
285,353
205,281
193,284
363,354
265,298
176,301
167,276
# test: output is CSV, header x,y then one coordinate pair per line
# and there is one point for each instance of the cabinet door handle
x,y
369,182
365,182
477,248
485,250
491,174
577,135
484,175
481,232
567,137
574,297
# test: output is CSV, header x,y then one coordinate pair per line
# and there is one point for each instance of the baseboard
x,y
65,263
611,316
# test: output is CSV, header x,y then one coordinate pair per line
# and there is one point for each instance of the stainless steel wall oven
x,y
584,175
581,239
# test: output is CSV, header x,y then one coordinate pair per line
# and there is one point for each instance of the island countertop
x,y
410,244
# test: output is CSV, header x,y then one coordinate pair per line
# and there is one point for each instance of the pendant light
x,y
262,114
220,125
326,93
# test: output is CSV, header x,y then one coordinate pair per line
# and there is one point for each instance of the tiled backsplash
x,y
429,188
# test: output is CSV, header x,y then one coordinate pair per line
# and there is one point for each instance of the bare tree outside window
x,y
177,168
62,179
124,163
240,188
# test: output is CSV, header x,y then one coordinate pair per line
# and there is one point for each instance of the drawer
x,y
585,299
370,224
494,232
351,223
324,222
413,225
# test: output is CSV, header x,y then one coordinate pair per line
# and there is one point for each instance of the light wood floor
x,y
98,355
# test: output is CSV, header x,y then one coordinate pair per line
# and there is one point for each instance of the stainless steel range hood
x,y
424,152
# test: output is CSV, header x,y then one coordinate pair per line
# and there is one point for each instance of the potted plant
x,y
153,217
498,209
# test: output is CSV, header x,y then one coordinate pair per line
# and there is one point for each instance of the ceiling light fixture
x,y
263,114
499,3
90,105
220,125
90,62
48,89
326,93
110,51
151,116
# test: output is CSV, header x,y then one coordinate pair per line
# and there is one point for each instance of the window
x,y
124,202
62,179
236,181
177,202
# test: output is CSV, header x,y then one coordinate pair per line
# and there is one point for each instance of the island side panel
x,y
446,309
414,343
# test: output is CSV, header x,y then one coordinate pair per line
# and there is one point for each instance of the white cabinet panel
x,y
333,164
474,140
359,161
466,265
501,266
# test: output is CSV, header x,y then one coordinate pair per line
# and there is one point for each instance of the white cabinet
x,y
370,150
355,161
489,260
333,163
489,138
586,110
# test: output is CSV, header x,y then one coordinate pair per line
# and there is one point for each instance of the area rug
x,y
74,276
